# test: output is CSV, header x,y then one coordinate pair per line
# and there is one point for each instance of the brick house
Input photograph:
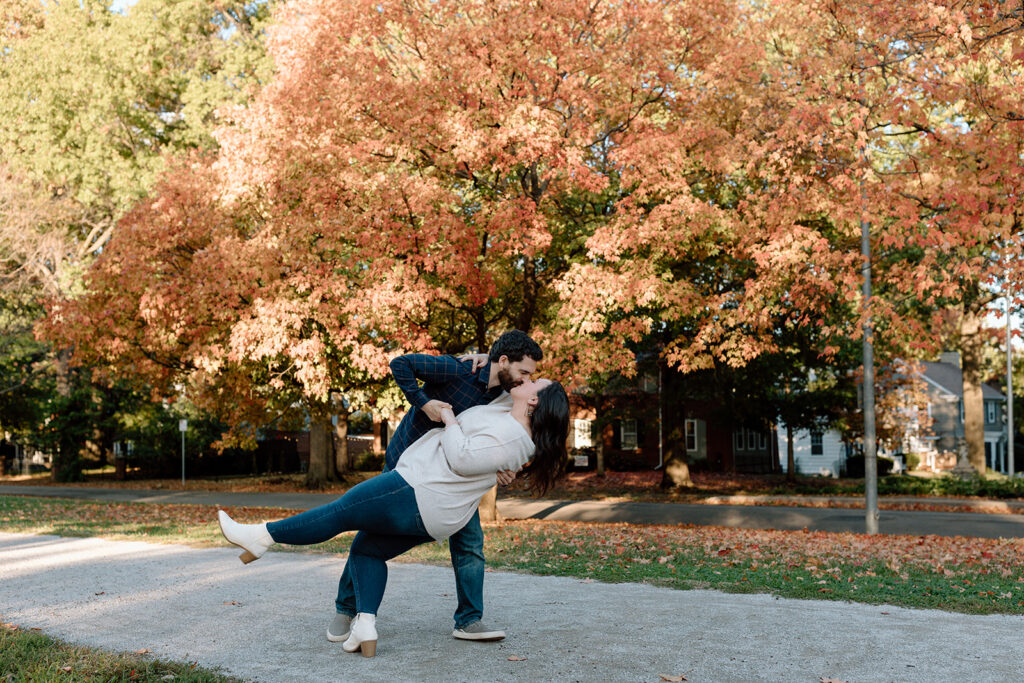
x,y
630,426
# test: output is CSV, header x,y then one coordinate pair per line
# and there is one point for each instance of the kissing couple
x,y
476,421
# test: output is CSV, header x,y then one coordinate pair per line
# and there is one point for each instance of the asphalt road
x,y
916,523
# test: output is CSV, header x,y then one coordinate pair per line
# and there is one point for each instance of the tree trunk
x,y
790,456
380,428
489,506
676,472
971,344
524,321
342,461
62,366
67,461
321,453
480,323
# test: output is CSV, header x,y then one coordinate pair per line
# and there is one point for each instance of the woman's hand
x,y
433,409
447,416
479,359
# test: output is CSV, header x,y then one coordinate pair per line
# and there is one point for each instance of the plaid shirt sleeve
x,y
431,369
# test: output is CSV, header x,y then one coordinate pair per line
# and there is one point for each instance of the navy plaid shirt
x,y
445,379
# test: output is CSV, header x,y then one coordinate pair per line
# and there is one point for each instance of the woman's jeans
x,y
384,510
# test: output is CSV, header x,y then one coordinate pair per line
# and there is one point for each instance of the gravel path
x,y
266,622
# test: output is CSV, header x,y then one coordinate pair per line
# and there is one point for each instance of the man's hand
x,y
433,409
506,477
479,359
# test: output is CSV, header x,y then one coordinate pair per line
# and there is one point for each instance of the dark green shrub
x,y
913,460
949,485
369,462
625,461
855,466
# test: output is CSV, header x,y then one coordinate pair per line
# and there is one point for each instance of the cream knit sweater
x,y
451,468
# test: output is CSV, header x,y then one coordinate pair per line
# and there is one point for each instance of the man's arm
x,y
432,369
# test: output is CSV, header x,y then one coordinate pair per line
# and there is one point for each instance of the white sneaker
x,y
340,628
477,631
254,539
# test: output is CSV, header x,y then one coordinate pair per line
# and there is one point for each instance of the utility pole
x,y
1010,465
870,461
868,360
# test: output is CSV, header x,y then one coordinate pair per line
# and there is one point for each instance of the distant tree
x,y
90,102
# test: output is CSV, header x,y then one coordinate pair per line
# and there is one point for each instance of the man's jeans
x,y
467,550
384,511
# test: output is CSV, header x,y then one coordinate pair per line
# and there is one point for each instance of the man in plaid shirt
x,y
456,384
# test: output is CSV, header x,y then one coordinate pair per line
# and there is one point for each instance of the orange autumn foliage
x,y
420,175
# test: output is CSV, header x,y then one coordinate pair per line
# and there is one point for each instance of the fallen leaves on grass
x,y
818,552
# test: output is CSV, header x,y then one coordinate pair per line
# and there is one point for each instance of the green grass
x,y
967,575
32,656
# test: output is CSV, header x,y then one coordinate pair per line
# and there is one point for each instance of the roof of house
x,y
948,378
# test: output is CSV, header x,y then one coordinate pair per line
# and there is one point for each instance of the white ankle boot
x,y
254,539
363,636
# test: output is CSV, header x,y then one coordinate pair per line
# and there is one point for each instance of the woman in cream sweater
x,y
431,493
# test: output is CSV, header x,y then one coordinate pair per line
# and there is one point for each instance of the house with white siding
x,y
819,452
825,453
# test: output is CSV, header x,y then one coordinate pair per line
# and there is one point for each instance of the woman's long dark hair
x,y
550,426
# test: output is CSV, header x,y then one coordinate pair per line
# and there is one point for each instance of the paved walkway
x,y
916,523
266,622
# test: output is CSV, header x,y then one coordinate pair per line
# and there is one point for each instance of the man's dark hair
x,y
515,344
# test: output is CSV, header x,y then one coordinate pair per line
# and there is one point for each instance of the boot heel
x,y
247,557
368,648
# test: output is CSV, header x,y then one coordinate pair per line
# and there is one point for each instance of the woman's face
x,y
528,389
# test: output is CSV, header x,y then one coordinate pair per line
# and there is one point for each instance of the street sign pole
x,y
182,426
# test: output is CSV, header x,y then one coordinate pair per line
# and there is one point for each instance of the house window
x,y
817,447
627,435
762,441
691,435
583,434
739,440
961,403
751,440
990,412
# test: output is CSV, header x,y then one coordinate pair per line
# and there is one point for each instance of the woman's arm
x,y
481,454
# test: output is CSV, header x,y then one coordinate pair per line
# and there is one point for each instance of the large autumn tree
x,y
829,115
90,101
418,173
415,176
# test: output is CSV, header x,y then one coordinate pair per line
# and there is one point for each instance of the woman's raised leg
x,y
385,504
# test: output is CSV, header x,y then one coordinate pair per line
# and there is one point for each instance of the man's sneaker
x,y
340,628
477,631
